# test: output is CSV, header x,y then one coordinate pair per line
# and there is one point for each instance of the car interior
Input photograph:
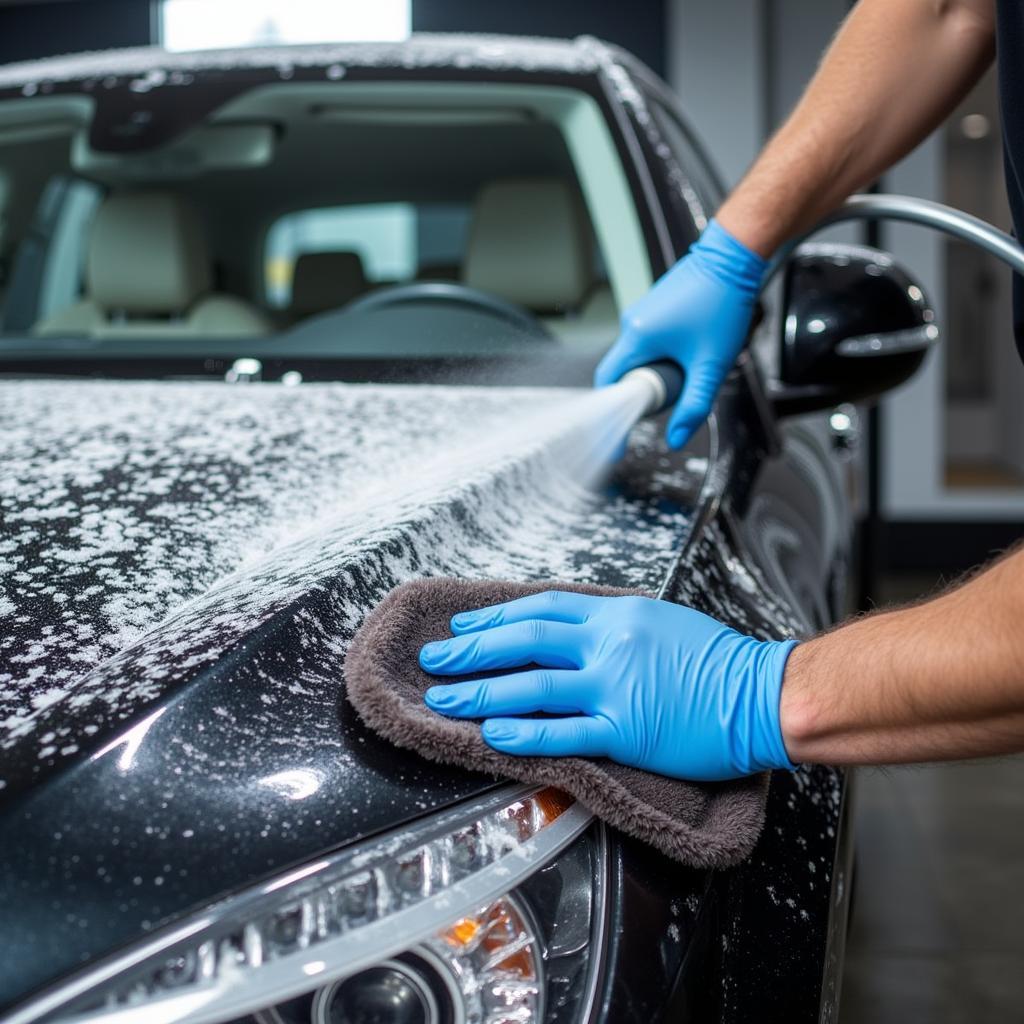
x,y
282,207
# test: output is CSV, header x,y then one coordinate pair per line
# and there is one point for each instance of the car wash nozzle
x,y
664,381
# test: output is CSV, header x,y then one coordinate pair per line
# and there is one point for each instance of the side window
x,y
702,192
5,190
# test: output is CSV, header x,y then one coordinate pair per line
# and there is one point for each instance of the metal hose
x,y
912,210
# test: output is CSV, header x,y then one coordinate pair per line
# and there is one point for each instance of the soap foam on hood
x,y
149,527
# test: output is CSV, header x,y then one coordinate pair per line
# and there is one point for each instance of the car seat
x,y
530,242
148,274
325,280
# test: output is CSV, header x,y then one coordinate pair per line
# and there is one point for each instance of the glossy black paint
x,y
176,809
762,935
835,293
761,941
101,853
174,804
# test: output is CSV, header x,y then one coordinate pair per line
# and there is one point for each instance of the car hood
x,y
184,565
148,528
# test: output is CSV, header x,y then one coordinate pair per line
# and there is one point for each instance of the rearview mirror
x,y
855,325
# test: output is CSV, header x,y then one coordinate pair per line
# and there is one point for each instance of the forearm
x,y
937,681
894,71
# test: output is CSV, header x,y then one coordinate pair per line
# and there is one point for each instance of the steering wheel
x,y
453,294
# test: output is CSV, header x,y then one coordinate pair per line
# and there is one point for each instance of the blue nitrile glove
x,y
698,314
646,683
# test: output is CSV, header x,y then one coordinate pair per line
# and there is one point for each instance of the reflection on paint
x,y
296,784
131,741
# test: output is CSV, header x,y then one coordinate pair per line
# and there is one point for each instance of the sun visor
x,y
41,118
212,147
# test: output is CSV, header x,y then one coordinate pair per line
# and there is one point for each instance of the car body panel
x,y
208,747
234,551
152,527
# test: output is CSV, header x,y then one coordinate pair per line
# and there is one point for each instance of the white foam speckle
x,y
169,520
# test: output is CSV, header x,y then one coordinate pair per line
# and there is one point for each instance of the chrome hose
x,y
912,210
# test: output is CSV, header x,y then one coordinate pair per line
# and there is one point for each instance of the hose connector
x,y
664,381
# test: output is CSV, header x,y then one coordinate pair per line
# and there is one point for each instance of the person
x,y
668,689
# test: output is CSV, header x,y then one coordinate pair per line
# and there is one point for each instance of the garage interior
x,y
939,850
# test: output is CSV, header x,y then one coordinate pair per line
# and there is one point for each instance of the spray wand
x,y
664,382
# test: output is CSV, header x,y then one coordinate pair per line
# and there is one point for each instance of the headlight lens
x,y
486,967
457,919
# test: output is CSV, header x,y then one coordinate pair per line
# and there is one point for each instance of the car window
x,y
5,188
389,243
293,200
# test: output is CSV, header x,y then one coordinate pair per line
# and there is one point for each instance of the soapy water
x,y
595,435
572,445
150,528
581,439
569,447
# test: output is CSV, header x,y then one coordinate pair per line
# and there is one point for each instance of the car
x,y
282,328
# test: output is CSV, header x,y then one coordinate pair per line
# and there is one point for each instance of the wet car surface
x,y
186,561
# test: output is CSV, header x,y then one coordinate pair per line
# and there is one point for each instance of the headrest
x,y
147,254
529,242
326,280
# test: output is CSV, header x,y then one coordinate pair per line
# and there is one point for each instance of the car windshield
x,y
377,220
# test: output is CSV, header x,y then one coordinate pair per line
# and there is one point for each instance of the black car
x,y
282,328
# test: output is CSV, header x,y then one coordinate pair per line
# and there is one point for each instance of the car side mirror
x,y
855,325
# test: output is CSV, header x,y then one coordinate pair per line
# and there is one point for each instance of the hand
x,y
698,314
644,682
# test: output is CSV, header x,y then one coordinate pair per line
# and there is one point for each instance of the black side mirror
x,y
855,325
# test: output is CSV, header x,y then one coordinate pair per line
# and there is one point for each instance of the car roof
x,y
152,66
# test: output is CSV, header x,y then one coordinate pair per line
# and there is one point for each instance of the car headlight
x,y
490,913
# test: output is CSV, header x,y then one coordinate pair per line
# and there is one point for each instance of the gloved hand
x,y
698,314
646,683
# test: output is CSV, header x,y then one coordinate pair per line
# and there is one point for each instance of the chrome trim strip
x,y
598,928
866,346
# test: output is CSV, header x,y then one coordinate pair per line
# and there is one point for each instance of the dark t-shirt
x,y
1010,47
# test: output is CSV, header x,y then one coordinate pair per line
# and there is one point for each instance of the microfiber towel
x,y
704,825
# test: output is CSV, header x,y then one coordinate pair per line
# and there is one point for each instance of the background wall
x,y
638,26
31,30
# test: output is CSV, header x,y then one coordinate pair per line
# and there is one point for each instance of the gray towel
x,y
700,824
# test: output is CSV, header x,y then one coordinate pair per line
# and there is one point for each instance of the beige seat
x,y
326,280
148,275
530,242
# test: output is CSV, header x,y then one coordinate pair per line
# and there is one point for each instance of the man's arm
x,y
894,71
670,690
937,681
